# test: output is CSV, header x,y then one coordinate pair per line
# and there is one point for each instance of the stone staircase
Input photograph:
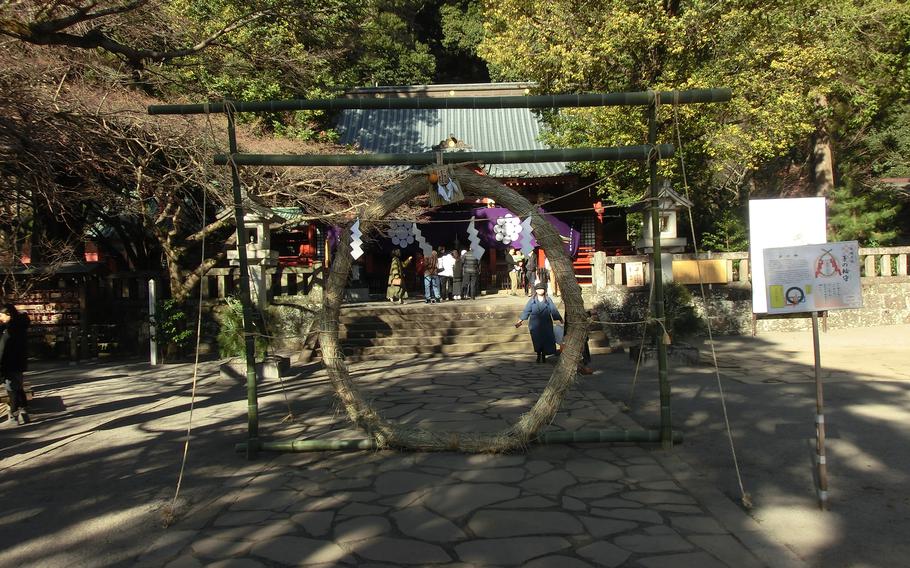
x,y
384,331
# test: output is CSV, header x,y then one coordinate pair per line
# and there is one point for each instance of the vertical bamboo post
x,y
249,341
666,430
819,420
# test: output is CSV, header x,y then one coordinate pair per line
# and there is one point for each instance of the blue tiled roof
x,y
482,130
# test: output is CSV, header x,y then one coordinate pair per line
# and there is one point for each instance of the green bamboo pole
x,y
427,158
666,429
579,437
638,98
245,301
596,436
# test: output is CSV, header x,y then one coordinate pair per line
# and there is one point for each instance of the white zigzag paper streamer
x,y
474,239
356,242
425,247
525,240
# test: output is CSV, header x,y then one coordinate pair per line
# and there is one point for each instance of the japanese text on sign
x,y
812,278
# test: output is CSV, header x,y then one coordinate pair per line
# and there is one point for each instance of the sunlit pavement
x,y
94,474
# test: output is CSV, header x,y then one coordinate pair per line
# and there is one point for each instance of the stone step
x,y
429,336
358,355
429,332
424,328
511,342
407,341
432,326
429,323
383,351
417,308
430,315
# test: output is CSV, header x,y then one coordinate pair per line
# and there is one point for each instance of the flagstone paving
x,y
562,506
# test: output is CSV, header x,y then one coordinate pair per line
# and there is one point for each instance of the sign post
x,y
810,278
819,420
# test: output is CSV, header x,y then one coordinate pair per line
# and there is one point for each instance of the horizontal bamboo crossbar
x,y
638,98
641,152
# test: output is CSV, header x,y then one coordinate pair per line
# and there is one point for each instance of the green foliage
x,y
730,234
796,68
629,305
231,342
864,215
305,49
172,328
462,26
887,146
679,312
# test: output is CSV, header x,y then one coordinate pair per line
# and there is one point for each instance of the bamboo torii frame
x,y
529,424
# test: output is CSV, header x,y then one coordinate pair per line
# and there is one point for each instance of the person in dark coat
x,y
470,267
530,273
457,271
541,311
14,360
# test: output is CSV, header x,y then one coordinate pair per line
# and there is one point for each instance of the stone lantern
x,y
257,220
669,205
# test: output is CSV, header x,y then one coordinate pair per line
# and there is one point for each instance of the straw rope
x,y
745,496
388,435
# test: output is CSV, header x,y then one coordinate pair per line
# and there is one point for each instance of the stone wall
x,y
730,308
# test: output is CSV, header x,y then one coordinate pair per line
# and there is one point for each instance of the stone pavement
x,y
770,401
96,474
561,505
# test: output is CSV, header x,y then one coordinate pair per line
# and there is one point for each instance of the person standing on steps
x,y
513,266
470,268
446,274
540,311
431,278
396,291
551,278
14,361
457,273
530,273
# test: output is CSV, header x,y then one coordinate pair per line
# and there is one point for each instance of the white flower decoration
x,y
400,233
507,229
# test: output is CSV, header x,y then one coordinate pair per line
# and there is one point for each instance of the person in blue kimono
x,y
541,312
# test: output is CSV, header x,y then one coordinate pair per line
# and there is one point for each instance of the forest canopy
x,y
819,105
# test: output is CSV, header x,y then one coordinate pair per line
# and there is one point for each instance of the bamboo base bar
x,y
596,436
546,438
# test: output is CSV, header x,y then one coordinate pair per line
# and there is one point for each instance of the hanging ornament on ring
x,y
445,190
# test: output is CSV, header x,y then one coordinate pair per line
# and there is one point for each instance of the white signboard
x,y
812,278
781,223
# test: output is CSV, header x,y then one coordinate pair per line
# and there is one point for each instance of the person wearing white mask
x,y
540,311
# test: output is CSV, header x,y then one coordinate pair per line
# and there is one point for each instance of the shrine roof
x,y
399,131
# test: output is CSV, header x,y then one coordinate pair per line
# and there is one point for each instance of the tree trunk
x,y
823,156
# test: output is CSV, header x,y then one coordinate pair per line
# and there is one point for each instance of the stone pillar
x,y
599,272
